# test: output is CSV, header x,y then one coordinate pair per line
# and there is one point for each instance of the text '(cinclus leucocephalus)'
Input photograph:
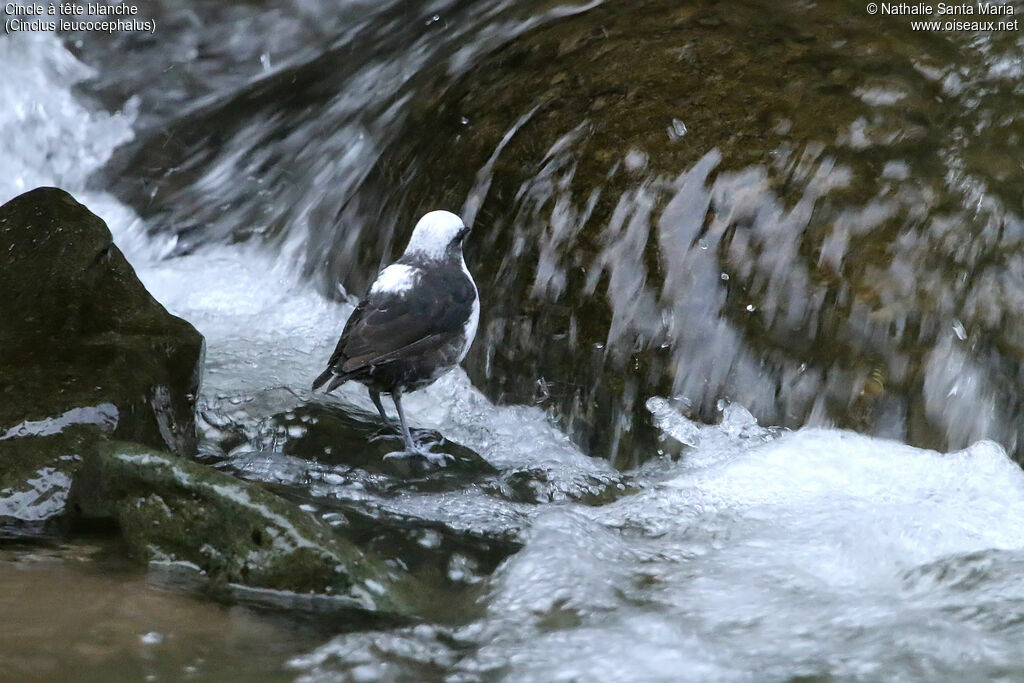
x,y
416,323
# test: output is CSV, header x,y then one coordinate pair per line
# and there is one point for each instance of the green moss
x,y
171,509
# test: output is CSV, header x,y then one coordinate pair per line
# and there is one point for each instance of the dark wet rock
x,y
173,510
453,563
336,437
672,217
329,457
537,485
35,479
593,221
80,330
361,507
85,354
304,80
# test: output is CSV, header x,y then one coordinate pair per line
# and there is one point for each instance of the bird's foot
x,y
421,449
384,433
440,459
422,439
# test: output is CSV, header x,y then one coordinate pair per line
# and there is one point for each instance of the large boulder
x,y
85,353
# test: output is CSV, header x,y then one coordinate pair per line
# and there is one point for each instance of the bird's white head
x,y
436,234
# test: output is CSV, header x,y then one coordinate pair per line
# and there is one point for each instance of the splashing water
x,y
758,554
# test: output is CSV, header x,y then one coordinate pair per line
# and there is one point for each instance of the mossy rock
x,y
79,328
36,477
86,354
173,510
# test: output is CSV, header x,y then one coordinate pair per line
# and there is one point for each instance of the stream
x,y
750,349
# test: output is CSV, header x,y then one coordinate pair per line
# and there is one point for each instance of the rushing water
x,y
838,246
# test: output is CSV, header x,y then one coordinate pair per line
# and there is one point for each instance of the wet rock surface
x,y
81,331
333,442
365,443
340,436
173,510
35,480
668,216
450,527
85,354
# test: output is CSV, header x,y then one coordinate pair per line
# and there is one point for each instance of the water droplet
x,y
152,638
635,160
677,129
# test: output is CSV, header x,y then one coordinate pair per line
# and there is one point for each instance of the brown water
x,y
82,612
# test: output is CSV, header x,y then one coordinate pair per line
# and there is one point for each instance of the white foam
x,y
262,327
48,138
804,554
818,552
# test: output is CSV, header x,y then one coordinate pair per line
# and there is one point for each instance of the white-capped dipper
x,y
416,323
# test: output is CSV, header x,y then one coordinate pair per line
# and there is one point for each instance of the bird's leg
x,y
411,447
384,433
375,397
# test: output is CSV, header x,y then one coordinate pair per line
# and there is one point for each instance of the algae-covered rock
x,y
79,328
174,510
36,470
85,354
331,458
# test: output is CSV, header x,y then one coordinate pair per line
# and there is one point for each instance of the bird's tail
x,y
326,375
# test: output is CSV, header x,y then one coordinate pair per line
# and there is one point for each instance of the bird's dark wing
x,y
386,326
